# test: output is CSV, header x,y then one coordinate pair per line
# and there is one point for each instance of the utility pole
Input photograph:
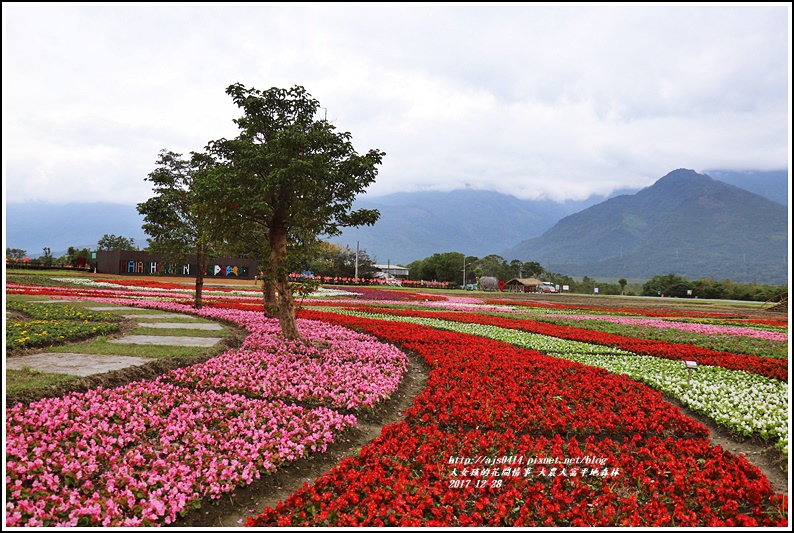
x,y
464,271
356,261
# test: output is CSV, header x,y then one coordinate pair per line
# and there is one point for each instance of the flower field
x,y
532,416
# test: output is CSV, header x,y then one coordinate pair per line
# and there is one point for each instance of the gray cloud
x,y
555,102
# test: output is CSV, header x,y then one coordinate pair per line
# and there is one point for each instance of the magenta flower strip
x,y
704,329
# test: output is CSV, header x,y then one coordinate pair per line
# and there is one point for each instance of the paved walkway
x,y
76,364
87,364
168,340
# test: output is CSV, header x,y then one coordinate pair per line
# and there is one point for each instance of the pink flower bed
x,y
348,370
147,452
141,454
704,329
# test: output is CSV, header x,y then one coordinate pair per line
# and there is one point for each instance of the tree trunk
x,y
201,261
269,292
199,287
286,303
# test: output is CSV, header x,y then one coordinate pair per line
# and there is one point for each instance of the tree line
x,y
673,285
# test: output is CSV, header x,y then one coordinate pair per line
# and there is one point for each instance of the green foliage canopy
x,y
112,242
289,170
293,175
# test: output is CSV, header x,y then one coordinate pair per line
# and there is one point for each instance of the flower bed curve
x,y
457,460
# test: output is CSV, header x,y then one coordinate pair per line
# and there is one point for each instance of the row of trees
x,y
287,179
450,266
676,286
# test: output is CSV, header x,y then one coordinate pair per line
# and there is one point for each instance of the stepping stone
x,y
167,340
77,364
180,325
160,315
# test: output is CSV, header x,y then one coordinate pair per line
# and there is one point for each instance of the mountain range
x,y
686,223
474,222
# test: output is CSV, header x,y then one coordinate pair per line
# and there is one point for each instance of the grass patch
x,y
152,351
179,332
25,298
18,381
31,325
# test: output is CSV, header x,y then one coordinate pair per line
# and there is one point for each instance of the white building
x,y
391,271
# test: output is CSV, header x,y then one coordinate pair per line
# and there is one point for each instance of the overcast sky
x,y
556,101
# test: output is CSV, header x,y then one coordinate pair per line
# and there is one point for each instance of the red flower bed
x,y
781,322
508,437
231,304
404,478
774,368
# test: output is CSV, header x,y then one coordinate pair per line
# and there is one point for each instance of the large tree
x,y
178,218
447,266
293,175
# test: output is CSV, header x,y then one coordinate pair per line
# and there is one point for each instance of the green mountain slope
x,y
686,223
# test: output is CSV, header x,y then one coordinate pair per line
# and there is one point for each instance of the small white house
x,y
391,271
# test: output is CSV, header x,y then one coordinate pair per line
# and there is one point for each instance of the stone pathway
x,y
78,364
166,340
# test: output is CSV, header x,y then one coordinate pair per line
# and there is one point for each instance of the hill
x,y
773,184
686,223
